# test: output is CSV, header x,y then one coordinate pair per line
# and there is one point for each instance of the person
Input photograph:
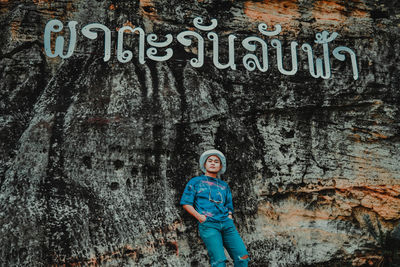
x,y
209,200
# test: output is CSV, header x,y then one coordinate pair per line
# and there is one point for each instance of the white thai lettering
x,y
318,67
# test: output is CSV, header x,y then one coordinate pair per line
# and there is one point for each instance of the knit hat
x,y
212,152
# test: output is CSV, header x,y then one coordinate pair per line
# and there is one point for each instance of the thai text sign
x,y
318,67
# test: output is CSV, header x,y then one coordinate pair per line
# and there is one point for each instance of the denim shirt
x,y
209,196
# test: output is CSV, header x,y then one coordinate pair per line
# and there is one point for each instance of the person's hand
x,y
230,216
202,218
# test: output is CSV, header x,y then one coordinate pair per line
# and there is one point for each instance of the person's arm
x,y
229,203
200,217
187,200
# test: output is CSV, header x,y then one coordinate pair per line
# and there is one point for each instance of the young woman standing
x,y
209,200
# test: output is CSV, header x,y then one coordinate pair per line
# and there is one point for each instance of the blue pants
x,y
216,236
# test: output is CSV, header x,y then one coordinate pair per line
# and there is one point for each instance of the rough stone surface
x,y
95,155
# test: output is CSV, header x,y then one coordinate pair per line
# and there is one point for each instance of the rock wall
x,y
95,155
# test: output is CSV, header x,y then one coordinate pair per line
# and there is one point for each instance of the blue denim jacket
x,y
209,196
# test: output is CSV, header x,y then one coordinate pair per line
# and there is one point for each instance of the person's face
x,y
213,164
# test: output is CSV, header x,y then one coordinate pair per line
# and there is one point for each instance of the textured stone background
x,y
95,155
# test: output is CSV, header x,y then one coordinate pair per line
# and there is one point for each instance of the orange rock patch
x,y
373,136
3,6
369,260
15,25
148,10
329,11
381,199
128,23
334,12
273,12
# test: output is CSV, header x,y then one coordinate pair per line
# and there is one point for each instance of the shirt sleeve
x,y
229,202
188,194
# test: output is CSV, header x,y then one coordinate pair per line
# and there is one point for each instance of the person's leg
x,y
211,235
234,244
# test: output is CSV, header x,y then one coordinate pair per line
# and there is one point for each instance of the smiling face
x,y
212,165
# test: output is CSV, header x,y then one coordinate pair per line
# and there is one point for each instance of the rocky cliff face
x,y
95,154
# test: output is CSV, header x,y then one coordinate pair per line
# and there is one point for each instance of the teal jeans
x,y
216,236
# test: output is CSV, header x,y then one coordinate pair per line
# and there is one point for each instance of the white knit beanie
x,y
212,152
